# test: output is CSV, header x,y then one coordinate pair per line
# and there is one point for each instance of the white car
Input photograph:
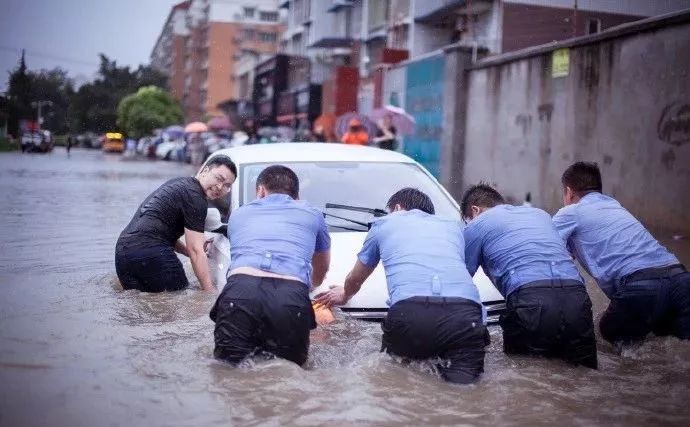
x,y
352,177
167,150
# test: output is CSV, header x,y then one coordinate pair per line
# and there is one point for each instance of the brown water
x,y
75,350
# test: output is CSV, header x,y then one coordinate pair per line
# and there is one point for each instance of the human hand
x,y
207,244
335,296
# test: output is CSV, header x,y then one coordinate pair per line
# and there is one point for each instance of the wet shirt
x,y
608,241
162,217
516,245
422,255
279,235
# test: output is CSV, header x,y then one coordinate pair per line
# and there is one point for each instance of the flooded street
x,y
76,350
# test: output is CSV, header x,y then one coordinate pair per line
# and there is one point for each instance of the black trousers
x,y
155,269
261,314
550,319
449,328
651,300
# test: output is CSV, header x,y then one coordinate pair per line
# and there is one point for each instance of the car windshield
x,y
361,184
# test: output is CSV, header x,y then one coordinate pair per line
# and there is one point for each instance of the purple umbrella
x,y
174,131
403,122
218,123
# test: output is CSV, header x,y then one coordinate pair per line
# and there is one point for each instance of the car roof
x,y
310,152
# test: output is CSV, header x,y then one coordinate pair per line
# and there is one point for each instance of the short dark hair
x,y
279,179
582,178
222,160
482,195
411,198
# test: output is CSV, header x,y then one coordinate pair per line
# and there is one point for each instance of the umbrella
x,y
343,122
195,127
174,131
403,122
219,123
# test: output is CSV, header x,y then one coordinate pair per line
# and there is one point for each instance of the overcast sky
x,y
71,33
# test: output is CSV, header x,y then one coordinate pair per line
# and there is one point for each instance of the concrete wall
x,y
625,104
629,7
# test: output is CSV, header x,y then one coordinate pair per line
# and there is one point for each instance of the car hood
x,y
374,292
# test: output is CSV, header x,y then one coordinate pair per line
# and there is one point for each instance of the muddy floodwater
x,y
75,350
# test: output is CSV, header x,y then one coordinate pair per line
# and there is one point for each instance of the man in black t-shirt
x,y
145,251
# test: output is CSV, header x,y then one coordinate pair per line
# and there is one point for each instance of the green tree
x,y
149,108
18,96
94,106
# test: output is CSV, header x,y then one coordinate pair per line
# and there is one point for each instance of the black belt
x,y
552,283
440,299
653,273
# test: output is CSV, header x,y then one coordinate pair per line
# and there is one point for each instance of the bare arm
x,y
387,134
195,248
181,248
320,263
341,295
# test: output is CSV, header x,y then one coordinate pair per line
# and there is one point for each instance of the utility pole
x,y
39,105
575,19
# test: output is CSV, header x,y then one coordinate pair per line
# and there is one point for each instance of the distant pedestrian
x,y
356,134
386,134
197,149
319,133
69,144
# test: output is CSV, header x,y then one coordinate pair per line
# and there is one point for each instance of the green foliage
x,y
93,107
6,145
149,108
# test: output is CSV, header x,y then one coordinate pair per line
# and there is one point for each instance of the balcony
x,y
339,4
439,11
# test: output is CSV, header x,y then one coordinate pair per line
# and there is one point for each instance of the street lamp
x,y
39,105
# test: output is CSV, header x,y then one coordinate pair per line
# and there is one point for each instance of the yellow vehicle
x,y
113,142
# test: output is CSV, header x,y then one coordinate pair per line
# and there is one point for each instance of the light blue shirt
x,y
608,241
422,255
277,234
516,245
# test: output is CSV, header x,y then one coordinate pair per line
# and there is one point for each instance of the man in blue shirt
x,y
548,311
280,248
648,288
435,309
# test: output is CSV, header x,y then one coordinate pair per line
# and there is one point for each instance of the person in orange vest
x,y
356,134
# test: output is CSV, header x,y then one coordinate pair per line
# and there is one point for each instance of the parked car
x,y
37,141
167,150
113,143
336,174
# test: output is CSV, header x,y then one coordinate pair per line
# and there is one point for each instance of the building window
x,y
268,16
268,37
249,12
378,14
593,26
248,34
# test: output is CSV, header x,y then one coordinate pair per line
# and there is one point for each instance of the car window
x,y
364,184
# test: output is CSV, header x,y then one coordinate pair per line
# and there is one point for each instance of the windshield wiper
x,y
363,224
376,212
342,227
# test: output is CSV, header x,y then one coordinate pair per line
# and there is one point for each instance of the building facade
x,y
209,38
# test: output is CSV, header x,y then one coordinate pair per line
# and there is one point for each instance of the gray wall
x,y
624,104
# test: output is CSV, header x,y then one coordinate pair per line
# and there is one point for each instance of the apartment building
x,y
169,52
209,38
